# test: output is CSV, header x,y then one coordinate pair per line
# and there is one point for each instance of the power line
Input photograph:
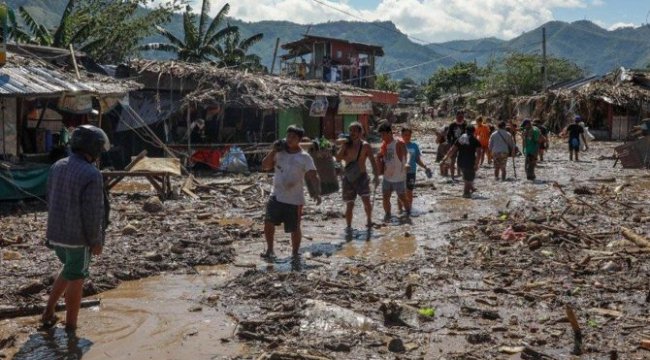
x,y
371,23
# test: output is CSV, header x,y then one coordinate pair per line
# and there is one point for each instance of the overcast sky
x,y
443,20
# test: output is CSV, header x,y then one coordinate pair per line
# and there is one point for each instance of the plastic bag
x,y
234,161
589,135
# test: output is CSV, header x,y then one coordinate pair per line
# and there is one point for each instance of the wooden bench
x,y
160,180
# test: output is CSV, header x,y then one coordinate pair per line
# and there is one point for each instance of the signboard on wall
x,y
318,107
354,105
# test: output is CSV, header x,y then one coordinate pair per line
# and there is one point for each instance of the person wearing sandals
x,y
292,166
77,219
355,180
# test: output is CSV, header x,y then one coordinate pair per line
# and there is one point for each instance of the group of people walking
x,y
78,206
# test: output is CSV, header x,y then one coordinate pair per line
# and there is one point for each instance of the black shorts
x,y
410,181
469,174
280,213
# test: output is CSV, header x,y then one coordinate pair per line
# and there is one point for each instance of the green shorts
x,y
75,262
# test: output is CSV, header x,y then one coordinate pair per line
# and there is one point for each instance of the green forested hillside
x,y
595,49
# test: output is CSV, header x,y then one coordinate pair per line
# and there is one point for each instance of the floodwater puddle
x,y
391,245
157,317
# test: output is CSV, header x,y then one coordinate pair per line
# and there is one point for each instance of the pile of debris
x,y
541,281
146,237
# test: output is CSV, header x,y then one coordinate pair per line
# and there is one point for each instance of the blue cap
x,y
525,122
578,118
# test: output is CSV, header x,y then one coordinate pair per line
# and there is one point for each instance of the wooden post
x,y
275,54
189,133
74,62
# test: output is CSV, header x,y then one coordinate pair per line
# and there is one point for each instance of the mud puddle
x,y
157,317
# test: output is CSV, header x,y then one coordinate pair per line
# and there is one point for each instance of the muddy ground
x,y
490,277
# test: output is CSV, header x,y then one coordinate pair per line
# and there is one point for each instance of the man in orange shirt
x,y
483,136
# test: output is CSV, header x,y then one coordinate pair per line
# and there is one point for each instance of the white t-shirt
x,y
289,178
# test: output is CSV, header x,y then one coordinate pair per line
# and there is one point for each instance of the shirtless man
x,y
355,179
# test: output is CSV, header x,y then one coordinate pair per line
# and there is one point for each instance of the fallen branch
x,y
577,332
10,312
635,238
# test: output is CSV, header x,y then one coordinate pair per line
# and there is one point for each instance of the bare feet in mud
x,y
269,256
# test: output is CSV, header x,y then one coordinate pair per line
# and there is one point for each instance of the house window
x,y
339,54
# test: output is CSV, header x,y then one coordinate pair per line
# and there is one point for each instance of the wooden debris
x,y
9,312
577,333
645,344
635,238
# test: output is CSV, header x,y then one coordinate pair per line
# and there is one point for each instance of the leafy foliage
x,y
515,74
109,31
522,74
206,42
458,77
233,53
384,82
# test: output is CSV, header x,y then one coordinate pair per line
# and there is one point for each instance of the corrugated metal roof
x,y
42,81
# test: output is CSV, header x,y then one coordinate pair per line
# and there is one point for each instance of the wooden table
x,y
159,179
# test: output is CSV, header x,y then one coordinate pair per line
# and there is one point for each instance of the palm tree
x,y
233,52
199,43
74,27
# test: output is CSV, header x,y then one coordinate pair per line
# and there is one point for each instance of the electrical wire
x,y
322,3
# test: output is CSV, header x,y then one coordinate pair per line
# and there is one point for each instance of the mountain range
x,y
593,48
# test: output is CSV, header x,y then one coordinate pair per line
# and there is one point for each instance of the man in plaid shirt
x,y
76,219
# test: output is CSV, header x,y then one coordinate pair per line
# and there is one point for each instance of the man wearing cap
x,y
292,166
456,129
530,143
76,219
394,158
575,132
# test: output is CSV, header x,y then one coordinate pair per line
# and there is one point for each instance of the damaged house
x,y
41,101
199,107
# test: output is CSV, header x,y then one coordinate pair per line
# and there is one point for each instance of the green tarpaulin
x,y
288,117
30,178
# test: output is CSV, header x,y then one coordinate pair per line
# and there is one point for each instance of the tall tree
x,y
461,76
521,74
199,43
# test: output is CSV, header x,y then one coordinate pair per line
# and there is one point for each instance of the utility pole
x,y
544,65
275,54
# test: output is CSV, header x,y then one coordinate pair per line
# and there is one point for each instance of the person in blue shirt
x,y
414,159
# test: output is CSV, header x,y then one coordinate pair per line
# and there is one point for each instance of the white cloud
x,y
597,2
427,20
619,25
